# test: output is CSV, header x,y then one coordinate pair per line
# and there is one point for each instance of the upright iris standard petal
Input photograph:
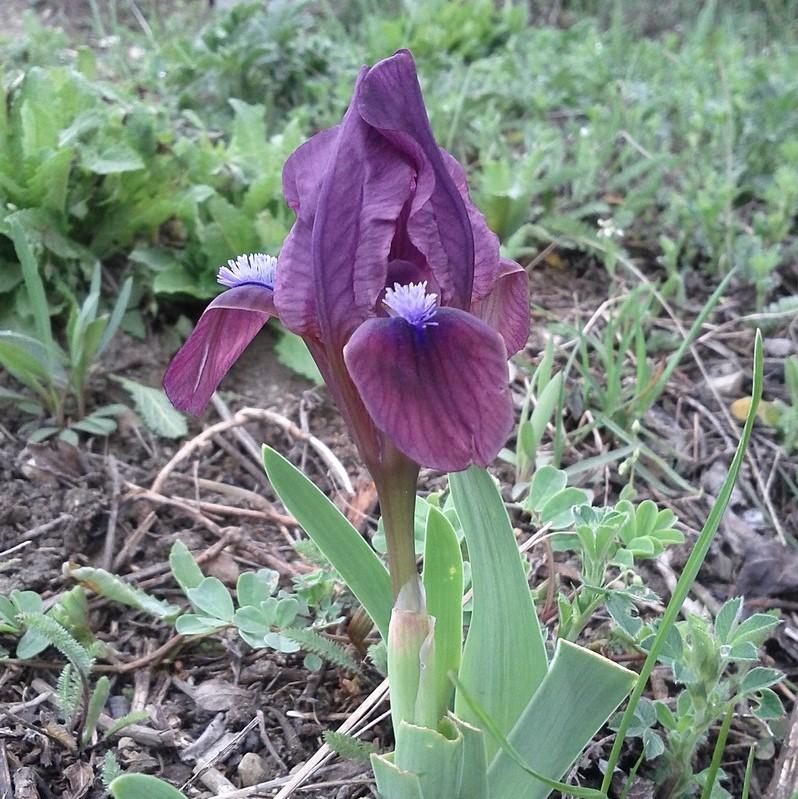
x,y
437,223
437,389
366,185
302,179
486,242
506,307
223,332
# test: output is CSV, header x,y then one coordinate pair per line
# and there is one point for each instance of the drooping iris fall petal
x,y
223,332
437,223
506,307
438,391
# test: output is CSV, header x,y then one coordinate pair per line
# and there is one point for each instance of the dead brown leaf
x,y
80,778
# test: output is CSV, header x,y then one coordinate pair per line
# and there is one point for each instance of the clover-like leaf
x,y
286,611
142,786
653,745
743,651
31,644
642,546
546,482
754,629
727,618
646,517
255,587
184,568
759,678
212,598
196,624
559,510
769,706
251,620
665,715
281,643
8,616
622,611
27,601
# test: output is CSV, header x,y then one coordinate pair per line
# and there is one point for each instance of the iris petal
x,y
506,307
365,187
437,224
438,392
302,178
223,332
486,242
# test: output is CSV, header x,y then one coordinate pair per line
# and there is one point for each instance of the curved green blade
x,y
392,782
504,659
443,586
576,697
338,540
693,565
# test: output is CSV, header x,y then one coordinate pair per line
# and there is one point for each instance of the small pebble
x,y
778,347
252,770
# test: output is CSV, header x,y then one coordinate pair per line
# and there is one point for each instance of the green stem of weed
x,y
584,617
717,754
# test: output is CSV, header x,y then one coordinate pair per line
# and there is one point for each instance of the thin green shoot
x,y
717,754
632,774
749,770
645,401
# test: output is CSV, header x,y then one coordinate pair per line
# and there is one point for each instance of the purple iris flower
x,y
393,280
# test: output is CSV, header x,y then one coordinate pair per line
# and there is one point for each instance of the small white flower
x,y
608,230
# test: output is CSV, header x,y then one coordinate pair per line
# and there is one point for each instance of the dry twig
x,y
241,418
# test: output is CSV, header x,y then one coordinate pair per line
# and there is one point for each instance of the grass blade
x,y
691,568
649,397
120,306
717,754
34,286
749,770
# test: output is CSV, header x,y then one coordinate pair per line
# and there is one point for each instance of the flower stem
x,y
396,488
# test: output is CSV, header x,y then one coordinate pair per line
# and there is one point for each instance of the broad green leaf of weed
x,y
293,353
155,409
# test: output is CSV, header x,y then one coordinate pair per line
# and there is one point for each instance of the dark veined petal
x,y
223,332
506,307
437,225
486,242
303,171
439,392
302,178
366,185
